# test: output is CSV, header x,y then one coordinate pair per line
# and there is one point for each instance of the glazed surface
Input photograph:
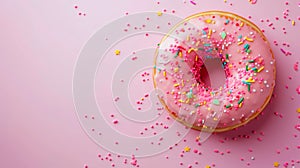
x,y
181,75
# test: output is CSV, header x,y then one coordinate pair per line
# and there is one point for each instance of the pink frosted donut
x,y
184,81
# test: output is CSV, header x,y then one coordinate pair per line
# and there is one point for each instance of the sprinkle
x,y
250,80
260,69
223,35
192,2
159,13
187,149
189,95
241,104
240,36
206,44
117,52
216,102
276,164
165,73
177,53
241,100
207,166
241,42
228,106
226,22
176,69
197,105
245,82
192,49
249,88
175,85
293,22
247,67
249,39
242,24
209,32
254,69
208,21
246,46
298,110
251,61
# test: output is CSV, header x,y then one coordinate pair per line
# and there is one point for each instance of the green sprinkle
x,y
190,94
247,83
228,106
227,56
246,46
216,102
206,44
248,51
223,35
254,69
227,21
247,67
158,44
197,105
241,100
249,88
251,61
240,36
177,53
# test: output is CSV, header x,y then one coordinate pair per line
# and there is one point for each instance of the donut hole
x,y
212,73
208,71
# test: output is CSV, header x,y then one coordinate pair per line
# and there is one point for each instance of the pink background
x,y
40,43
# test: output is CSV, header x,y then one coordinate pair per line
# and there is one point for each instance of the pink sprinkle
x,y
192,2
297,127
253,1
298,90
115,121
296,66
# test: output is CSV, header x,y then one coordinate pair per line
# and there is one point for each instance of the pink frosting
x,y
247,61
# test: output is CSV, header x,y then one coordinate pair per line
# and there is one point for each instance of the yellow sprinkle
x,y
293,22
251,80
165,73
208,108
187,149
230,65
208,21
241,104
204,102
249,39
192,49
197,44
188,38
260,69
176,69
182,83
177,84
181,101
242,24
196,58
207,166
180,54
209,32
159,13
241,42
117,52
142,99
187,101
276,164
298,110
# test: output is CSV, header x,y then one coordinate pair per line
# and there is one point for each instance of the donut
x,y
237,48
